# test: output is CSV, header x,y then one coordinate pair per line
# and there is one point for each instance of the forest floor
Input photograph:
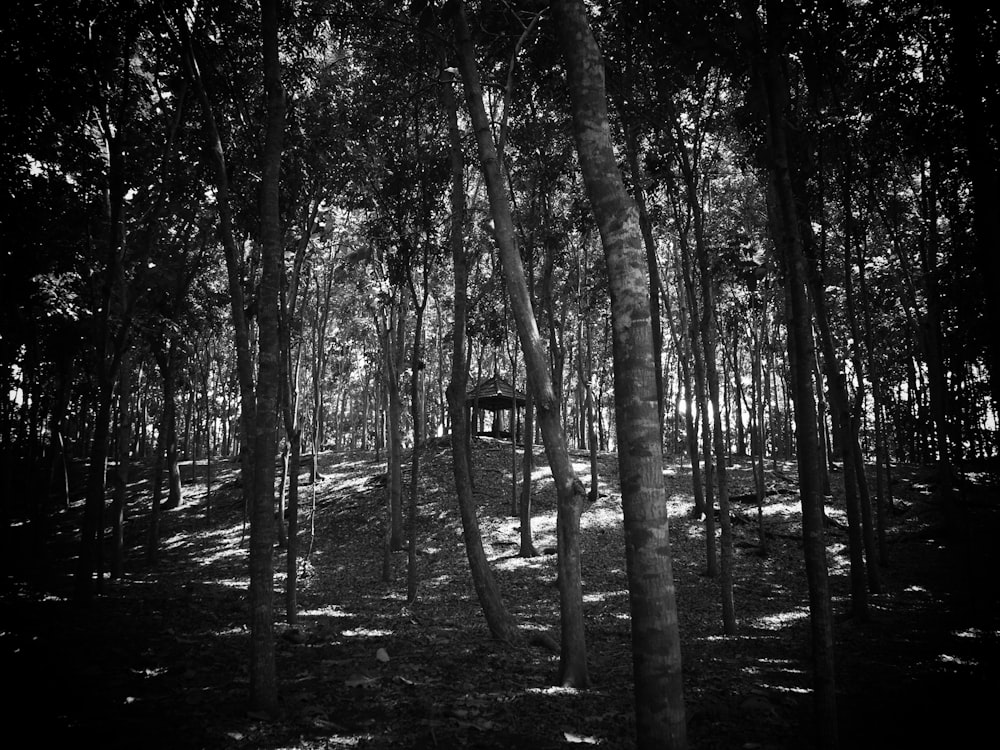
x,y
160,658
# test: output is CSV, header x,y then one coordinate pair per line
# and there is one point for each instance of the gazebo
x,y
496,395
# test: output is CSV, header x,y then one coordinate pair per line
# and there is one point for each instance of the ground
x,y
159,658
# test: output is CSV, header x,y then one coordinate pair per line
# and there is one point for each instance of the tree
x,y
498,619
655,636
768,93
263,679
569,490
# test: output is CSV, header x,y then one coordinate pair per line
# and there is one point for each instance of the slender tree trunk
x,y
291,555
418,440
263,674
234,272
502,625
757,438
394,441
660,716
156,507
867,522
769,88
592,418
118,507
209,430
175,492
682,345
569,489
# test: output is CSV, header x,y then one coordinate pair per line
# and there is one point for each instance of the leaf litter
x,y
363,668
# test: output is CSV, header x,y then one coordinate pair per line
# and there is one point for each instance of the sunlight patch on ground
x,y
580,739
441,580
330,610
839,561
176,541
349,482
222,554
150,672
787,689
232,583
554,690
792,507
781,619
782,665
366,633
975,633
233,630
603,596
520,563
601,516
957,660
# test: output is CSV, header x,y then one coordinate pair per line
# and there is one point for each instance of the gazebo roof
x,y
495,394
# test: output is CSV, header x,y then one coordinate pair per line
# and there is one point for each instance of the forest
x,y
591,372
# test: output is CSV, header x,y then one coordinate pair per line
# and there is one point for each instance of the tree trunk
x,y
234,272
569,490
660,719
118,506
769,88
156,507
502,625
263,676
418,440
291,554
174,490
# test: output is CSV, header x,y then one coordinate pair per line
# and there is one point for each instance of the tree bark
x,y
502,625
660,718
569,489
769,88
263,674
119,501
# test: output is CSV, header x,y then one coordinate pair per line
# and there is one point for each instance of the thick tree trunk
x,y
660,718
569,490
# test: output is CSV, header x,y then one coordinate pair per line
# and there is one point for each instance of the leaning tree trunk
x,y
569,489
502,625
655,636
